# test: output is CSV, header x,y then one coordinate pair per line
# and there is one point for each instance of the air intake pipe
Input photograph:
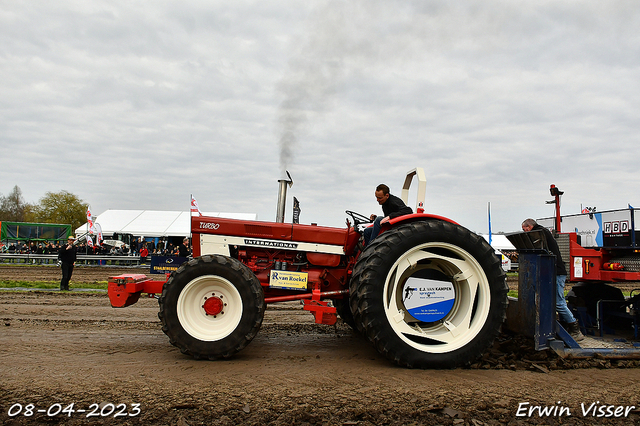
x,y
282,196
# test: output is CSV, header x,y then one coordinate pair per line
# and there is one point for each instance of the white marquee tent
x,y
499,242
152,223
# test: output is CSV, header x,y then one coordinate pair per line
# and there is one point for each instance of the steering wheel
x,y
358,218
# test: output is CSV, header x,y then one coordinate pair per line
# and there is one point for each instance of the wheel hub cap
x,y
213,305
428,300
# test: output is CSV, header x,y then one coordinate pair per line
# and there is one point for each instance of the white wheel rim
x,y
462,324
193,317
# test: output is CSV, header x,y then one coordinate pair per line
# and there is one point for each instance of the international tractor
x,y
427,292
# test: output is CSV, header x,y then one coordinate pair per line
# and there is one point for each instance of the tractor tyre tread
x,y
369,277
247,285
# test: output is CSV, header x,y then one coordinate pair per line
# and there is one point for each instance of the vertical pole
x,y
489,210
633,227
558,218
556,193
86,246
190,219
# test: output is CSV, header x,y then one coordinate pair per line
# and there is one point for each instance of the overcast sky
x,y
137,105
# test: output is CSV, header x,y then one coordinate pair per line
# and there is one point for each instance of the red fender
x,y
412,218
418,216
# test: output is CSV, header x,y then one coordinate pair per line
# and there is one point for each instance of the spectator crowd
x,y
163,248
138,248
23,247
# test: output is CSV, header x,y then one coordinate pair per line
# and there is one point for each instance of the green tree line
x,y
54,207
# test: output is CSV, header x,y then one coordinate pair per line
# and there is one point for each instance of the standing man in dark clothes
x,y
561,276
392,207
183,249
67,255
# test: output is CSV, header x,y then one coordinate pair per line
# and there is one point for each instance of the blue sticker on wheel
x,y
428,300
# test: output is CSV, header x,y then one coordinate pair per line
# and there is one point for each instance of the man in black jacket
x,y
67,255
561,276
183,249
392,207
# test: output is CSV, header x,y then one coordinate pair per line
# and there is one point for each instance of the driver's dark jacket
x,y
395,207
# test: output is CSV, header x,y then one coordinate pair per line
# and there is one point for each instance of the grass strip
x,y
101,285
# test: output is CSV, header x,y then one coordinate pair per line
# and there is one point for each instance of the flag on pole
x,y
194,206
296,210
98,230
89,219
89,241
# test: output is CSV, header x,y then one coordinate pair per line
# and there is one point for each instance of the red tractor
x,y
427,292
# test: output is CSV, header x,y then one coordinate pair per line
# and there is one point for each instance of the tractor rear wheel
x,y
344,311
429,294
211,307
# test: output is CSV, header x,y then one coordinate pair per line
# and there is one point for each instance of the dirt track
x,y
85,274
74,348
90,274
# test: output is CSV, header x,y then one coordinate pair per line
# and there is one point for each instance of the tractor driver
x,y
392,207
573,328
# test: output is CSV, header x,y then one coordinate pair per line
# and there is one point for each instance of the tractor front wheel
x,y
211,307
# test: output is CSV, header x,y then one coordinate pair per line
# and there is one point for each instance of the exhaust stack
x,y
282,197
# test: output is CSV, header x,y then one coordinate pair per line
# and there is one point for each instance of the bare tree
x,y
13,207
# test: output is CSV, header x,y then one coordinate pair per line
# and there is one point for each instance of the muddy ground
x,y
73,348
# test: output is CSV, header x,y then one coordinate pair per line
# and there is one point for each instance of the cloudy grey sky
x,y
137,105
